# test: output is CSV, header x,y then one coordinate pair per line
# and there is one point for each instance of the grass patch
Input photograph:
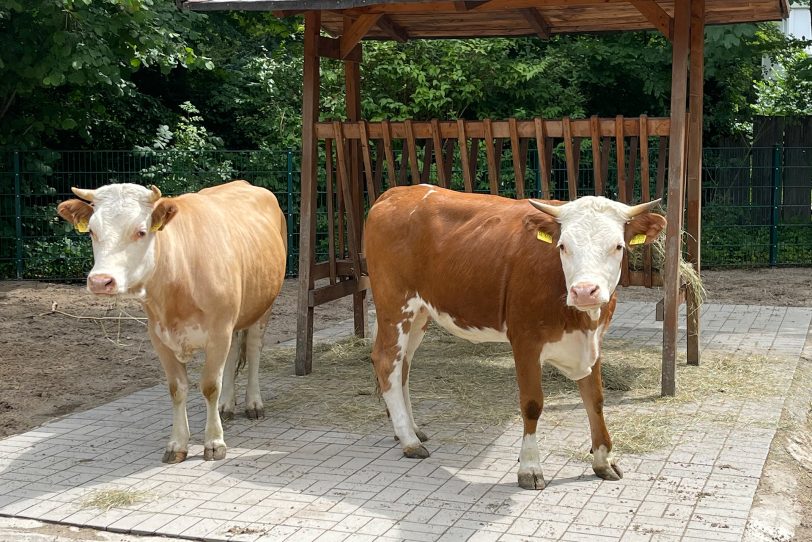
x,y
106,499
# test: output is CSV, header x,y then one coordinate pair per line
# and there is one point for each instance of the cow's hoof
x,y
214,453
173,457
416,452
531,479
255,413
609,472
421,435
226,414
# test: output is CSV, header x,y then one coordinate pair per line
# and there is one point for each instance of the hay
x,y
461,389
114,498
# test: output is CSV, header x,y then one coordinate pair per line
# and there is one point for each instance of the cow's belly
x,y
574,354
447,322
183,341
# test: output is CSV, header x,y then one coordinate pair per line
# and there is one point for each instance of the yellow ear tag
x,y
82,226
544,236
638,239
155,227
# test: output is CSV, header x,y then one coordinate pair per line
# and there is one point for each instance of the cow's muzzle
x,y
102,284
585,296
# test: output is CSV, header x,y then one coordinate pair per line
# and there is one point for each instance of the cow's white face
x,y
121,223
593,233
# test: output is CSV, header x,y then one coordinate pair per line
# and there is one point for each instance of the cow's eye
x,y
562,248
619,247
141,233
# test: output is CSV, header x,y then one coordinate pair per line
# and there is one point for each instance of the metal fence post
x,y
775,201
18,215
290,212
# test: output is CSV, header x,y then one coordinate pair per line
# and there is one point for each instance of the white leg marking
x,y
253,349
179,440
601,458
416,334
530,475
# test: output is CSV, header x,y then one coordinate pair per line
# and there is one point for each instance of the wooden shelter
x,y
358,155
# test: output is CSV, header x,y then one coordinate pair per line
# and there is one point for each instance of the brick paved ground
x,y
286,482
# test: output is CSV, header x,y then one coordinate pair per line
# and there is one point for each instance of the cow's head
x,y
122,220
591,234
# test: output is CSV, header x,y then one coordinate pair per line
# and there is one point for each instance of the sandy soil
x,y
52,364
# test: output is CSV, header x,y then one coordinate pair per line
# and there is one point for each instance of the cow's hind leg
x,y
591,389
416,333
388,354
178,382
531,402
228,401
211,380
254,408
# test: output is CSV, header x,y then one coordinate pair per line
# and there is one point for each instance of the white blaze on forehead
x,y
591,229
119,212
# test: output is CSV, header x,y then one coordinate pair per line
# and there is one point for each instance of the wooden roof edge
x,y
287,5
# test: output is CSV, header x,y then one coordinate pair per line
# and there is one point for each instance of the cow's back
x,y
223,253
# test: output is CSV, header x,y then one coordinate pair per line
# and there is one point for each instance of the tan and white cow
x,y
539,275
206,267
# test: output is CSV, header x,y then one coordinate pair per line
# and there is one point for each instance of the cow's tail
x,y
242,339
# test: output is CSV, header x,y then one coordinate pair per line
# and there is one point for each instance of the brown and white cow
x,y
207,267
541,276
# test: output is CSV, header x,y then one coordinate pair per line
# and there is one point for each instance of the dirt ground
x,y
53,363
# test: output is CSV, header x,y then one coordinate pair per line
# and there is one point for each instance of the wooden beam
x,y
656,15
676,192
307,226
694,183
392,29
331,48
466,5
537,21
356,31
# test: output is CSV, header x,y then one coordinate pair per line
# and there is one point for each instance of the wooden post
x,y
352,82
676,184
307,212
694,185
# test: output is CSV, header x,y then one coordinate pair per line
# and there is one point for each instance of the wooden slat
x,y
572,174
576,149
342,246
656,15
331,217
620,151
412,152
606,149
645,180
537,22
448,152
596,155
428,149
390,155
467,177
404,163
356,31
491,155
630,171
325,294
518,157
544,164
473,159
373,195
661,166
524,143
379,161
342,157
438,153
498,149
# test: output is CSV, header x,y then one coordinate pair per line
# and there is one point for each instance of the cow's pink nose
x,y
101,284
585,294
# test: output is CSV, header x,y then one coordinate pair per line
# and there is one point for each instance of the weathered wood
x,y
392,29
694,170
606,149
369,174
662,154
342,159
465,160
438,154
356,31
632,168
518,157
572,173
307,223
498,149
331,48
596,155
428,149
544,163
656,15
676,182
410,138
537,22
448,165
331,217
620,156
325,294
490,153
645,193
379,161
390,155
473,159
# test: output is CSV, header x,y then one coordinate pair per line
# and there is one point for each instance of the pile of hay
x,y
114,498
454,383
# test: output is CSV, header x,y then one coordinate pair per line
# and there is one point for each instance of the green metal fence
x,y
756,201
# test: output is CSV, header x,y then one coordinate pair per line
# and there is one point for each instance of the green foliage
x,y
787,89
66,257
62,61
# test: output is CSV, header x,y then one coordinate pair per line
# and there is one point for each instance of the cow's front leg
x,y
531,401
211,379
591,388
178,382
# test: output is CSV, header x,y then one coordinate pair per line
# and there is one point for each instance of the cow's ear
x,y
77,212
544,227
162,213
644,229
